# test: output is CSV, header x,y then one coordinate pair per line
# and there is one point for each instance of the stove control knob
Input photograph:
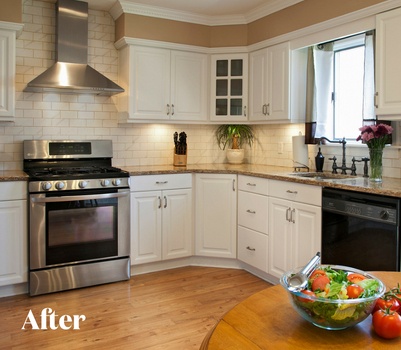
x,y
105,183
46,186
117,182
82,184
60,185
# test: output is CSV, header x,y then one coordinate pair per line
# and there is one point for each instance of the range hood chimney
x,y
71,72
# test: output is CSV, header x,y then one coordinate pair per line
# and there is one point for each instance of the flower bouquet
x,y
376,137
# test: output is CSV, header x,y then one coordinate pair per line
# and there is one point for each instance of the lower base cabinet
x,y
216,215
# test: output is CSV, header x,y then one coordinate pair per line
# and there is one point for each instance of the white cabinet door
x,y
13,242
188,86
280,236
215,215
269,83
177,223
162,84
229,88
146,226
294,234
7,75
388,72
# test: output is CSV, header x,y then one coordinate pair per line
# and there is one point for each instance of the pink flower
x,y
375,136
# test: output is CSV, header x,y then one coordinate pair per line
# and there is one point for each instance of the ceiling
x,y
238,11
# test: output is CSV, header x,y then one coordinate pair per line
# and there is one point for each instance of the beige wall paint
x,y
11,11
303,14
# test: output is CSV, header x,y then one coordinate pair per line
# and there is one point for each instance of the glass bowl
x,y
333,314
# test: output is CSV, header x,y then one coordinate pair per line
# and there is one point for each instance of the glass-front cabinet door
x,y
229,87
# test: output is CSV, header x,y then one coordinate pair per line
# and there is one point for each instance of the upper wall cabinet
x,y
276,77
7,75
162,85
229,88
388,68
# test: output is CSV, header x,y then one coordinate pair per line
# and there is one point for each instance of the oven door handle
x,y
78,198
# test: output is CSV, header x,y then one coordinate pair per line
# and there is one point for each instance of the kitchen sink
x,y
322,176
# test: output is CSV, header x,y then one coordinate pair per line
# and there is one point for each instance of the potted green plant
x,y
234,135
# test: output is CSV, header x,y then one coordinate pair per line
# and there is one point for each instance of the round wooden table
x,y
266,320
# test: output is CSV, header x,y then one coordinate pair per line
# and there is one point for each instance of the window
x,y
348,87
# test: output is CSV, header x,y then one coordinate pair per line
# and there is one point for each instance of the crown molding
x,y
122,6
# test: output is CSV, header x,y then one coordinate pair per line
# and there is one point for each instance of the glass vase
x,y
376,164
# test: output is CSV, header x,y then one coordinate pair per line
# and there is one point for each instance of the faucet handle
x,y
365,166
334,166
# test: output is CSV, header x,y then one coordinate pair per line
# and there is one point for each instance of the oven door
x,y
78,226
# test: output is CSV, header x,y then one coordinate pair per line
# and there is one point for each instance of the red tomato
x,y
354,291
383,303
320,283
306,292
316,274
355,277
387,324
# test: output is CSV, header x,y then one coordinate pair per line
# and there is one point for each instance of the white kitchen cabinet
x,y
269,83
163,84
388,72
13,233
161,217
229,88
7,74
216,215
294,225
253,221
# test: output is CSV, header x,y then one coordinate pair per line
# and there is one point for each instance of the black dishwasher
x,y
360,230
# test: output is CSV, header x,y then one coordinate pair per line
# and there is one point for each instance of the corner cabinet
x,y
7,74
388,72
13,233
162,85
161,217
216,215
294,225
229,88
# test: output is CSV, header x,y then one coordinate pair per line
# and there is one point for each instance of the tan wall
x,y
303,14
11,11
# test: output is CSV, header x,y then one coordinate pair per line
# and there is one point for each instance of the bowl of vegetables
x,y
337,297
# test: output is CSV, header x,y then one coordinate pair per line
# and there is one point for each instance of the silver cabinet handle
x,y
172,109
244,111
160,202
293,216
251,211
233,185
287,214
249,184
267,109
168,109
292,192
251,249
161,182
165,202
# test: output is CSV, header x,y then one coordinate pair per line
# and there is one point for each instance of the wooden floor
x,y
169,310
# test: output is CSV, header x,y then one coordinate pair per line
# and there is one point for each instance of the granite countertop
x,y
389,186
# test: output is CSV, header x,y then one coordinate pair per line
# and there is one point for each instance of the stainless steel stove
x,y
79,231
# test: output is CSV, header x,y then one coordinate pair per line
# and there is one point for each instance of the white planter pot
x,y
235,156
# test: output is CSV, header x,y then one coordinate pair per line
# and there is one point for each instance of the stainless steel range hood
x,y
71,72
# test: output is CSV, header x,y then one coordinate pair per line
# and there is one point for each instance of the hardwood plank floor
x,y
169,310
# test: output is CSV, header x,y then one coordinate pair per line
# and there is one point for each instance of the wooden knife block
x,y
180,159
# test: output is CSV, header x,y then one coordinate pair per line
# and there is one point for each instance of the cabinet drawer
x,y
296,192
160,182
252,211
12,190
252,248
253,184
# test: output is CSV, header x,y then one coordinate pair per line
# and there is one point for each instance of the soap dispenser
x,y
319,161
